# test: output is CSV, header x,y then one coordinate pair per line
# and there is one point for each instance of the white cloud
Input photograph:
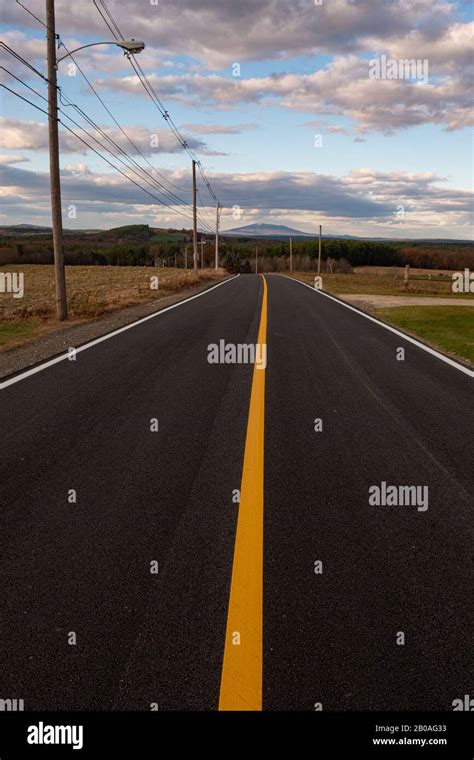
x,y
220,33
12,159
219,129
31,135
364,198
341,88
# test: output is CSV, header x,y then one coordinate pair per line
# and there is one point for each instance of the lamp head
x,y
131,46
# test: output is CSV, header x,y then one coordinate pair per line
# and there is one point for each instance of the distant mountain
x,y
249,231
11,228
279,231
32,227
266,230
35,229
282,232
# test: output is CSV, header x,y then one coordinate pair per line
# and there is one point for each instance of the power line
x,y
148,178
203,216
171,194
23,98
7,71
120,150
128,138
176,202
112,23
207,183
85,142
115,30
104,158
155,99
22,60
32,14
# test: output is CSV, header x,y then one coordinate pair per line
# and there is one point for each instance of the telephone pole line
x,y
319,250
195,240
291,254
217,234
56,213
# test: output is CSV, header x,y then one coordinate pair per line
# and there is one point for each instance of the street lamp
x,y
130,47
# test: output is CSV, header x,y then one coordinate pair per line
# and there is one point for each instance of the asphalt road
x,y
168,496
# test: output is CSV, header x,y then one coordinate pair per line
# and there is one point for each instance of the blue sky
x,y
310,138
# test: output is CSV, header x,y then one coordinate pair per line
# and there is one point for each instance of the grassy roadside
x,y
449,328
384,283
92,291
16,333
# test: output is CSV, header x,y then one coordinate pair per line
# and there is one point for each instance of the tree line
x,y
239,255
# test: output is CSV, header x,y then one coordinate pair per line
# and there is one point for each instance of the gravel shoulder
x,y
369,301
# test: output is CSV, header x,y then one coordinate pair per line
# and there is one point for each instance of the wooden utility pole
x,y
291,254
256,259
56,215
195,239
217,235
185,256
319,250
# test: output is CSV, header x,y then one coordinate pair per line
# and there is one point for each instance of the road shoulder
x,y
75,335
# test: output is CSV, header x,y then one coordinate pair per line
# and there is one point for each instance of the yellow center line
x,y
241,681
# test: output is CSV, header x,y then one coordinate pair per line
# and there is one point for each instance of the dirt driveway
x,y
367,301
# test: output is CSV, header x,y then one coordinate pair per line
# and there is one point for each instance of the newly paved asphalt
x,y
166,496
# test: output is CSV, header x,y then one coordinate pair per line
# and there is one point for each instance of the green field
x,y
450,328
14,333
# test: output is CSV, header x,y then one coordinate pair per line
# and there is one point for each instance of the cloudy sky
x,y
276,97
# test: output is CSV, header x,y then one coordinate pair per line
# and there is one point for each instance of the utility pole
x,y
195,243
175,261
256,259
291,254
56,214
185,256
319,250
217,234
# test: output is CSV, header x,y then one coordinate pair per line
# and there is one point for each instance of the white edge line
x,y
95,342
451,362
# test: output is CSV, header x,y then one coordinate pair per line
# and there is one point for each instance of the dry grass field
x,y
400,271
94,290
388,281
